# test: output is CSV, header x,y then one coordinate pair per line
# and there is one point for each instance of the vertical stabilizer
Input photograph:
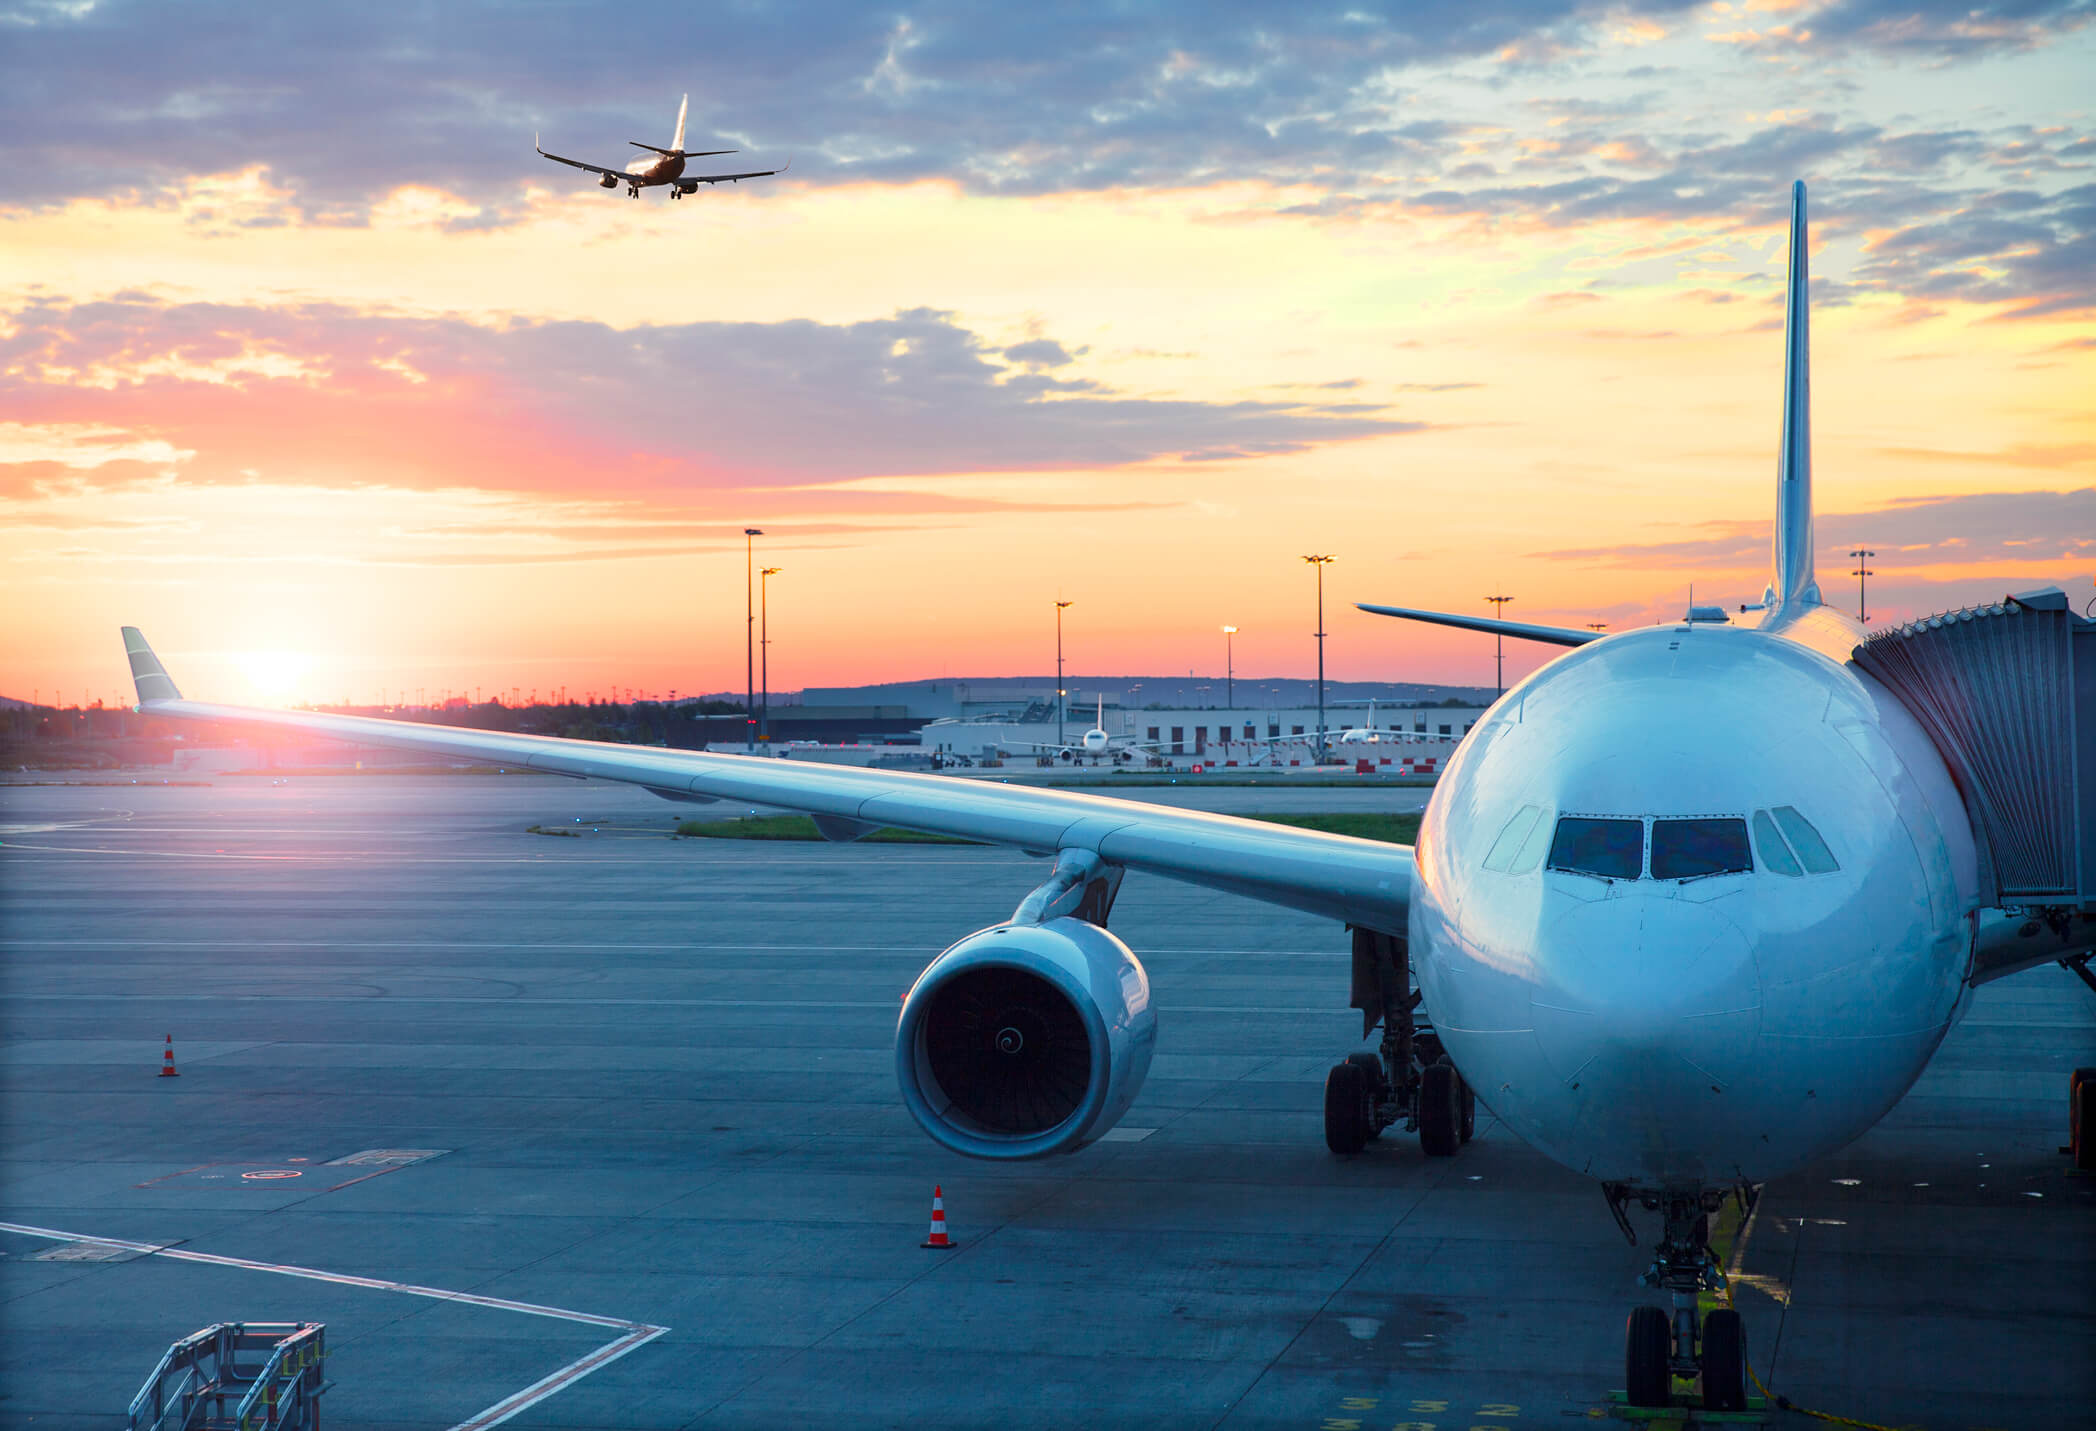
x,y
683,107
1792,583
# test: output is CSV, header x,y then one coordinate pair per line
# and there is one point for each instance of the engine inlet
x,y
1008,1048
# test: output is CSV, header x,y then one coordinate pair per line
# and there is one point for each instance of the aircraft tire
x,y
1440,1110
2081,1119
1378,1088
1346,1109
1724,1361
1647,1345
1469,1107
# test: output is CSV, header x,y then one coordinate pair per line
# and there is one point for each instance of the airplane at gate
x,y
1691,906
665,167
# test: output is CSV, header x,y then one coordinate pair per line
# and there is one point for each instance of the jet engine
x,y
609,181
1026,1039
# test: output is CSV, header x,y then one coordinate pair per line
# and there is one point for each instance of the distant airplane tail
x,y
1791,582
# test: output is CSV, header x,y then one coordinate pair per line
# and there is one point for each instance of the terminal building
x,y
1398,736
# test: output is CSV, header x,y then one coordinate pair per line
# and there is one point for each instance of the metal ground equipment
x,y
237,1376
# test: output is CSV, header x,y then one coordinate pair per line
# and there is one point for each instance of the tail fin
x,y
151,678
683,108
1792,583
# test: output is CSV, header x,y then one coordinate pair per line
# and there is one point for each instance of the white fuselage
x,y
1697,1031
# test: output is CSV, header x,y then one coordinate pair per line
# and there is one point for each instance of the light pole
x,y
1862,573
1321,562
1230,669
1060,606
749,636
764,652
1499,643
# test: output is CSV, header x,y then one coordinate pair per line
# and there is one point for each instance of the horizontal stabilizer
x,y
151,678
1555,635
680,153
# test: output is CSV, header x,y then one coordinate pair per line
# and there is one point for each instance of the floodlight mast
x,y
1321,562
764,654
1060,606
1862,573
1230,669
749,636
1499,644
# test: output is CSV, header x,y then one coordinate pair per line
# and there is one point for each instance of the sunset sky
x,y
312,368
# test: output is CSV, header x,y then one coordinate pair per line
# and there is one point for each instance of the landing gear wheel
x,y
2081,1119
1647,1345
1378,1088
1724,1361
1440,1110
1469,1119
1346,1109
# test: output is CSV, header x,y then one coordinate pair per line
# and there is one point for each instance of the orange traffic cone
x,y
938,1237
167,1060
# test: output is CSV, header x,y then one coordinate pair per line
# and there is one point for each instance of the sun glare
x,y
273,676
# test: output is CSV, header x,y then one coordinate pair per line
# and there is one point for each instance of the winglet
x,y
151,678
1792,583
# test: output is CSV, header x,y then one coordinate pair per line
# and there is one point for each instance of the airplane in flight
x,y
1693,904
665,167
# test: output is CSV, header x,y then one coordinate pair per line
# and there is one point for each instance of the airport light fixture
x,y
749,636
1597,626
764,653
1060,607
1230,669
1862,573
1499,643
1321,562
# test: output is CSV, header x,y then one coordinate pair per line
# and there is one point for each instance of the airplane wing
x,y
1555,635
690,182
1362,882
579,164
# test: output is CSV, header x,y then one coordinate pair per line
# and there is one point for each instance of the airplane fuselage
x,y
1695,1031
655,169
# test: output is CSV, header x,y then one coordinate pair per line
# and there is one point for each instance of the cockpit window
x,y
1510,839
1813,853
1690,849
1775,855
1607,849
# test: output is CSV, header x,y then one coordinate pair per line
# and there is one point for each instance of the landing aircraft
x,y
667,167
1691,906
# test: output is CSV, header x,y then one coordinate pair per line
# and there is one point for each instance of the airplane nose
x,y
1648,1009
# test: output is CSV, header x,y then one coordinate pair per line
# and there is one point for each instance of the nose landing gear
x,y
1658,1347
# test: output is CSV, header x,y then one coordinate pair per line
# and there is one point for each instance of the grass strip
x,y
1362,825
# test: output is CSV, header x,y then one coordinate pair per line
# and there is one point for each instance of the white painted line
x,y
636,1334
574,1371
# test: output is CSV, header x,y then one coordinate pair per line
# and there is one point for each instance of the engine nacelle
x,y
1026,1039
609,181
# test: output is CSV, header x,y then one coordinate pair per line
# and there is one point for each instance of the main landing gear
x,y
1409,1080
1658,1347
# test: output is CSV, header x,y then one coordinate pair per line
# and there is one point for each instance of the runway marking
x,y
633,1335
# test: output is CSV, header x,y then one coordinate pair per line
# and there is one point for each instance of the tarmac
x,y
652,1083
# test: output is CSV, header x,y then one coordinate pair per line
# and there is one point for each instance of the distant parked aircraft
x,y
666,167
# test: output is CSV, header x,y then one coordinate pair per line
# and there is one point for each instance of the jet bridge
x,y
2008,694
